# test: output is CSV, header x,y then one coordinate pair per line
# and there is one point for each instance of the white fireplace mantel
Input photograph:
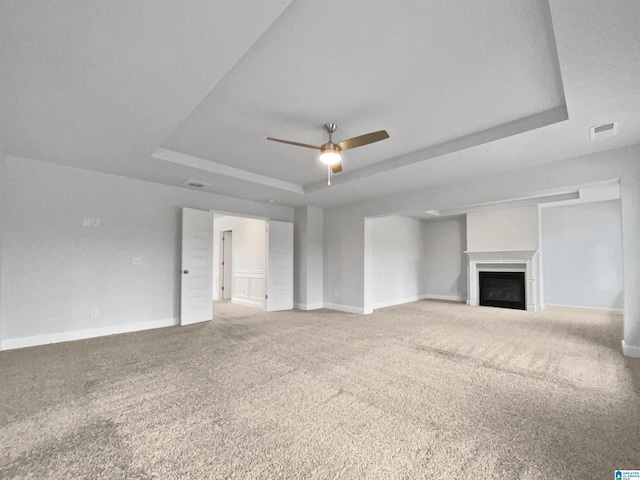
x,y
523,260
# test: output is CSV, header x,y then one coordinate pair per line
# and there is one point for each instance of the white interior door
x,y
197,267
227,265
279,266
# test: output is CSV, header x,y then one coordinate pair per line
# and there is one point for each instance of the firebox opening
x,y
502,289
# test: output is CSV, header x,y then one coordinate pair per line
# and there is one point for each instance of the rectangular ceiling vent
x,y
194,183
604,131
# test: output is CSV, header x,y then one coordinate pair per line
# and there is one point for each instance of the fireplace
x,y
502,289
524,263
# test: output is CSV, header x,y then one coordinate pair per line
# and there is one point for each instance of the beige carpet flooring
x,y
426,390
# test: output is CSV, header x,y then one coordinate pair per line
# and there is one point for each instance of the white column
x,y
630,202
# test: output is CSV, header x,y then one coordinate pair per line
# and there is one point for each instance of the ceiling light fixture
x,y
330,154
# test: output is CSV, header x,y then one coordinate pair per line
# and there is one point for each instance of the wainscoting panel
x,y
248,287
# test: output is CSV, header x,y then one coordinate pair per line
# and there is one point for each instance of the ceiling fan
x,y
330,152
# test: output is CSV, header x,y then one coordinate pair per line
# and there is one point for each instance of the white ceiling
x,y
170,90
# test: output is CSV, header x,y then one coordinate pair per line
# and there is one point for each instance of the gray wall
x,y
315,260
344,248
308,234
300,256
582,255
398,272
445,241
55,270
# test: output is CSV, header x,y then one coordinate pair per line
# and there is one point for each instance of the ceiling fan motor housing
x,y
330,153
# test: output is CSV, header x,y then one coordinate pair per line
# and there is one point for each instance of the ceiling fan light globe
x,y
330,157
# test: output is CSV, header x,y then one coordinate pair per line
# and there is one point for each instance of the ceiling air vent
x,y
604,131
195,183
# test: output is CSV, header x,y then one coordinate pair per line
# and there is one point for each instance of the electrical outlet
x,y
136,260
559,294
95,222
335,294
95,312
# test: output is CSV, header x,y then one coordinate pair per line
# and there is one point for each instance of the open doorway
x,y
261,263
239,260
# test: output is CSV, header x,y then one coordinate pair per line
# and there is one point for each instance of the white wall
x,y
503,229
55,270
582,262
398,271
445,241
249,262
308,258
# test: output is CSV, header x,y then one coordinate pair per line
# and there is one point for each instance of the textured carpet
x,y
423,390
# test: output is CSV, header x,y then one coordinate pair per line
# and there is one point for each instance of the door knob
x,y
185,272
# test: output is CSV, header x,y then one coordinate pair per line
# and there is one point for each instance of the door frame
x,y
222,281
266,246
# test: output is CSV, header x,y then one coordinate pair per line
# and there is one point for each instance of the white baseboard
x,y
390,303
22,342
397,301
428,296
308,306
449,298
345,308
617,311
248,302
632,351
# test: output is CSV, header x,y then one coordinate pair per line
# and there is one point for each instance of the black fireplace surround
x,y
502,289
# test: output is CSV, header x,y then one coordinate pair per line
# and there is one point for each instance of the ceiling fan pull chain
x,y
328,174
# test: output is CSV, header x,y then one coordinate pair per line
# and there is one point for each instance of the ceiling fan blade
x,y
363,140
336,167
293,143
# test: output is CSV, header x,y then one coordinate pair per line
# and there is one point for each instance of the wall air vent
x,y
603,131
194,184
